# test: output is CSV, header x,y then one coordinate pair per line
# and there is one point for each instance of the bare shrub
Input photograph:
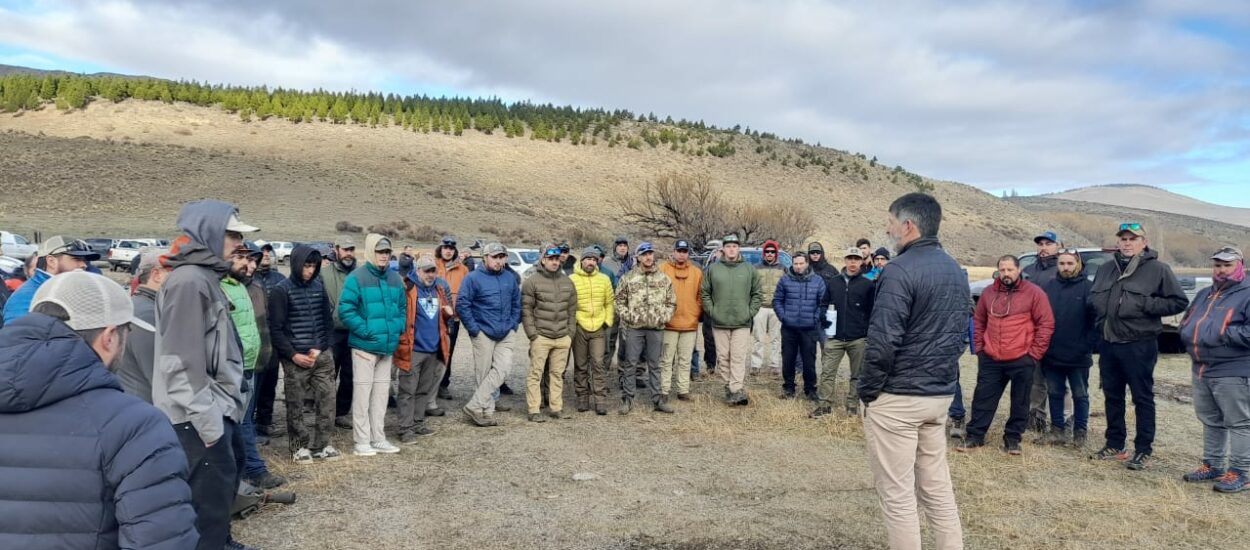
x,y
406,231
347,227
789,223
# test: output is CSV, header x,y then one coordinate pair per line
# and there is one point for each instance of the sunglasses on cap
x,y
449,242
76,245
1071,251
1131,226
551,252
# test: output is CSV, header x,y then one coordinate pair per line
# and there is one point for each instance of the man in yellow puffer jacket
x,y
595,310
682,330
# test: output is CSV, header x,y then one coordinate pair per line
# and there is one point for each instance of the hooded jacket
x,y
549,305
135,369
373,307
18,303
452,272
801,300
244,317
645,299
824,269
732,294
1072,345
333,279
852,296
687,285
412,287
490,302
596,306
300,319
1042,271
918,324
1216,331
1011,322
1131,301
616,266
198,375
83,464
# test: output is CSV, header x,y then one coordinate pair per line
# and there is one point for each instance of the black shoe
x,y
344,422
787,395
583,404
504,389
444,393
969,445
1139,461
601,409
1078,438
268,481
408,438
501,407
421,429
640,384
820,411
437,411
236,545
811,396
683,397
1012,448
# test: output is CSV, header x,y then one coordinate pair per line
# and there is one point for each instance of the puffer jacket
x,y
403,354
732,294
83,464
918,325
687,282
645,299
1216,331
1132,297
244,317
1042,271
549,305
596,306
18,303
1010,323
852,297
1072,345
373,308
333,280
800,300
299,311
490,302
770,275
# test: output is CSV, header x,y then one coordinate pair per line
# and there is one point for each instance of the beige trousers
x,y
677,350
732,347
549,355
371,384
767,333
492,361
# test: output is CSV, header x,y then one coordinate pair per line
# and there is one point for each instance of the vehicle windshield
x,y
756,257
529,256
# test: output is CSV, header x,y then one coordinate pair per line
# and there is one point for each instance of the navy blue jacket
x,y
800,300
852,297
490,302
1216,331
83,464
1076,333
919,321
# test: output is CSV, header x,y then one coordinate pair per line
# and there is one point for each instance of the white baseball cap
x,y
235,225
91,300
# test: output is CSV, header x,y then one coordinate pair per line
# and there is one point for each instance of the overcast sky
x,y
1035,96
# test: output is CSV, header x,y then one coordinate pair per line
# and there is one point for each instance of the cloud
x,y
998,94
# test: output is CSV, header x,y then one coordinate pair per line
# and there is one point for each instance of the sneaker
x,y
535,417
969,445
739,399
268,480
1139,461
1012,448
302,456
1109,453
436,411
1233,481
1078,438
344,422
364,450
477,418
327,453
408,438
957,428
560,414
820,411
683,397
1204,473
444,393
502,407
504,389
420,428
385,447
663,406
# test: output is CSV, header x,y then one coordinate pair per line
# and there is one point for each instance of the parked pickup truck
x,y
16,246
120,256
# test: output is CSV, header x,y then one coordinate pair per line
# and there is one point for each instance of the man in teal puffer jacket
x,y
374,310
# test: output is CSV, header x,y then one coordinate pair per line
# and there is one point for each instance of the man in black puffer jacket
x,y
1070,355
909,374
83,464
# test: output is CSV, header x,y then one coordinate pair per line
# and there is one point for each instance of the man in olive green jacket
x,y
732,295
549,315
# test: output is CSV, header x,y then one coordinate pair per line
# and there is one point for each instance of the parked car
x,y
521,259
281,250
751,254
10,267
120,256
16,246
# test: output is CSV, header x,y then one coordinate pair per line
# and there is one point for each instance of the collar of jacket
x,y
922,242
376,271
582,272
1071,280
848,276
680,271
799,276
1002,287
551,274
146,292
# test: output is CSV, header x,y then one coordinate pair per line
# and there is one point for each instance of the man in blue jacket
x,y
59,256
100,468
800,301
489,306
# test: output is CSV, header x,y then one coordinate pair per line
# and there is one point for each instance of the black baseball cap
x,y
682,245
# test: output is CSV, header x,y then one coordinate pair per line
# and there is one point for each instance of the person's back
x,y
98,468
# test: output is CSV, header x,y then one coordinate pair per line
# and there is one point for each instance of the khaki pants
x,y
906,439
491,363
551,356
831,360
371,385
767,333
590,375
732,347
677,350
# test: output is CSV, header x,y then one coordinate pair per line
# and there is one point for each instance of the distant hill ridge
x,y
1147,197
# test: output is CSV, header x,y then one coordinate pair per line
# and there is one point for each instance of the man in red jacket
x,y
1013,324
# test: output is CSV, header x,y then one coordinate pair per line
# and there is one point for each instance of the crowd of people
x,y
142,409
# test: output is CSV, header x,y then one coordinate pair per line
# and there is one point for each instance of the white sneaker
x,y
364,450
328,453
302,456
385,446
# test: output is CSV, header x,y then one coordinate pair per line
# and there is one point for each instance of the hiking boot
x,y
787,394
1078,438
436,411
1012,448
477,418
811,396
560,414
852,409
1139,461
601,409
956,428
364,450
536,417
268,480
420,428
1109,453
1204,473
1053,437
583,404
344,422
1233,481
408,438
663,406
743,398
1038,423
970,444
820,411
501,407
626,406
444,393
327,453
683,397
302,456
504,389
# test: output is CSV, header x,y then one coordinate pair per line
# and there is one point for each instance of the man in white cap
x,y
198,378
99,468
59,256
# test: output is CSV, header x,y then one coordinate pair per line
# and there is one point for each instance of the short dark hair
x,y
921,209
862,242
57,312
1008,258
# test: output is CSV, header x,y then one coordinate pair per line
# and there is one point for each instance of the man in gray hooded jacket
x,y
198,380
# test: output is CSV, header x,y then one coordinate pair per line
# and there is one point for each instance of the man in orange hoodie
x,y
451,270
682,330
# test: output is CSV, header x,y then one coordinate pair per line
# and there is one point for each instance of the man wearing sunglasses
x,y
60,256
766,327
1131,295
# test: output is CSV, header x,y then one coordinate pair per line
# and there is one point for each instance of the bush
x,y
347,227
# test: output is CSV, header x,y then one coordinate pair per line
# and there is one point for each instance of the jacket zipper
x,y
1198,326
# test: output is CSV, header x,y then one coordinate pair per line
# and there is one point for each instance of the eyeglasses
x,y
1131,226
76,245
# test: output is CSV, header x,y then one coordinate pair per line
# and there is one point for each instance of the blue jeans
x,y
253,464
694,363
1078,380
957,409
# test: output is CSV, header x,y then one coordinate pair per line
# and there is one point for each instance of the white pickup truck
x,y
16,246
120,256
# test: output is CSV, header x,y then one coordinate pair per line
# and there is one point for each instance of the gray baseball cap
x,y
425,262
91,300
1228,254
494,249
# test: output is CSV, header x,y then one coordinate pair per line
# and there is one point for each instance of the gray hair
x,y
920,209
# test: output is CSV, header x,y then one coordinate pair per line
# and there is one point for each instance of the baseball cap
x,y
853,251
495,249
344,241
551,250
77,248
1228,254
682,245
91,300
730,238
425,262
564,246
1047,235
253,249
644,247
815,247
1131,227
382,244
621,239
235,225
